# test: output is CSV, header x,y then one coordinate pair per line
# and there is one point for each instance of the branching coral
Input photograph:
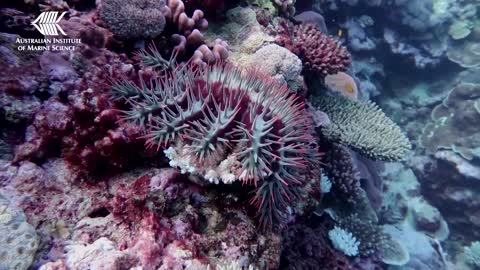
x,y
134,19
344,241
363,127
321,54
372,240
309,248
215,113
340,170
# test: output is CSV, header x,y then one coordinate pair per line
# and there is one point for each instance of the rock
x,y
18,239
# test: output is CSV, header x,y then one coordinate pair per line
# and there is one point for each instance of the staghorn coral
x,y
18,239
215,113
134,19
321,54
363,127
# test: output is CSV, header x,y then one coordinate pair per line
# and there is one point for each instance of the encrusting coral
x,y
211,114
321,54
455,123
18,240
363,127
134,19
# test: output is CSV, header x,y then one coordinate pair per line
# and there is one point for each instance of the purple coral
x,y
216,114
320,53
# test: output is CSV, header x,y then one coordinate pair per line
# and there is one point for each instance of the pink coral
x,y
320,53
190,34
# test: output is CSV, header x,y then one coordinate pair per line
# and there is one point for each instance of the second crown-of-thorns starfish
x,y
218,115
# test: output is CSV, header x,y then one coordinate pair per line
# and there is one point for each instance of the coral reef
x,y
466,55
454,123
472,253
411,219
190,34
372,240
314,18
344,241
150,218
134,19
276,159
18,239
363,127
341,171
273,133
243,33
309,248
287,7
279,63
321,54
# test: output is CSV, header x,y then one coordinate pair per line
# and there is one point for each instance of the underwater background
x,y
254,134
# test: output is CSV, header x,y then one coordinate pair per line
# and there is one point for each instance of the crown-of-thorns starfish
x,y
219,111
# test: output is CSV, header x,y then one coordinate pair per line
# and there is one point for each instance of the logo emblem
x,y
47,23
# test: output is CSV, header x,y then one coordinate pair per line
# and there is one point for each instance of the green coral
x,y
363,127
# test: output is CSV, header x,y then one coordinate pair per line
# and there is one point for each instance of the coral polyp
x,y
226,124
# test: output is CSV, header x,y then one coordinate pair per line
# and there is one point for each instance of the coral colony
x,y
244,134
